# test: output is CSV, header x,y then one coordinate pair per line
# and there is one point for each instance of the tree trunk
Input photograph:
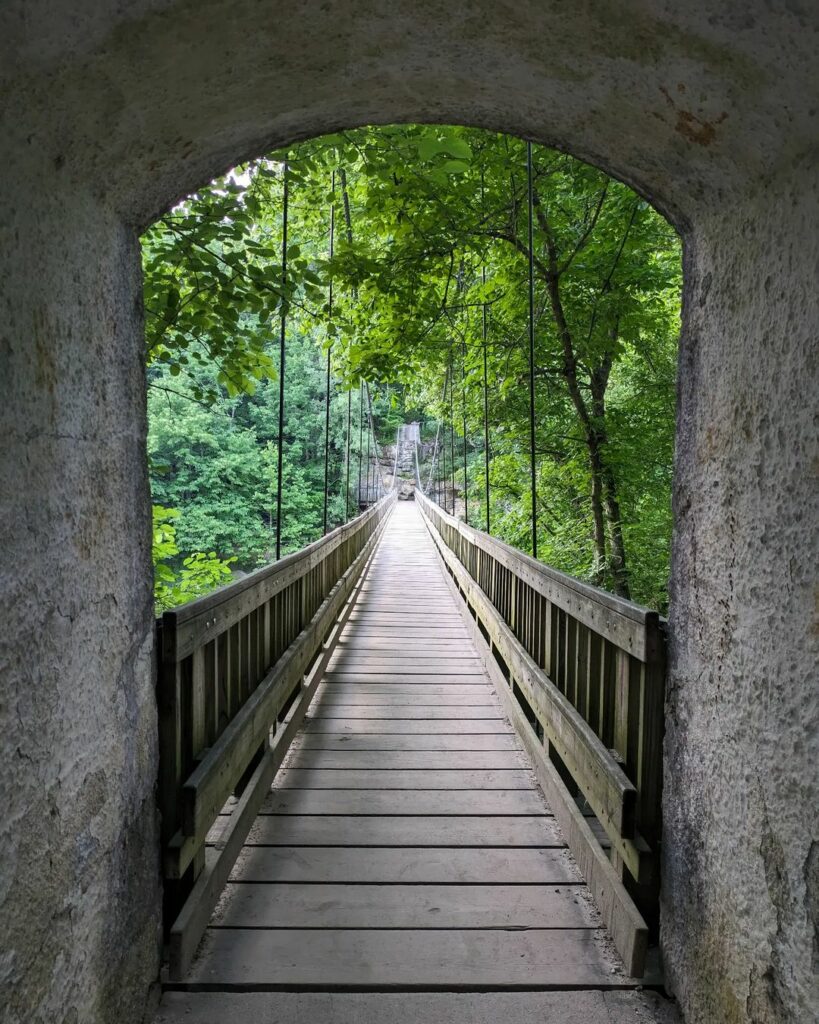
x,y
611,504
619,571
604,499
599,535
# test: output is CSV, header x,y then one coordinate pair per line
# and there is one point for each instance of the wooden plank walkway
x,y
405,845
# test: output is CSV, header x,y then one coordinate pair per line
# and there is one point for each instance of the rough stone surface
x,y
78,841
742,748
109,112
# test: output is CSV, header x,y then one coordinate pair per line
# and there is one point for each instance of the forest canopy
x,y
407,260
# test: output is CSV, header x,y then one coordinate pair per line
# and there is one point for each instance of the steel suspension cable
x,y
532,465
442,476
360,436
369,465
463,409
347,459
280,453
452,426
484,331
329,356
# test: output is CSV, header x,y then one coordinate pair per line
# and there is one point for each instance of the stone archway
x,y
111,112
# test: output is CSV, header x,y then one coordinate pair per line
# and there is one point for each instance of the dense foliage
x,y
431,247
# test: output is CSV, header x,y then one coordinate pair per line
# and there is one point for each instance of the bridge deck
x,y
405,845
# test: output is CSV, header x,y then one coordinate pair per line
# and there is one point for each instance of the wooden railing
x,y
583,675
232,666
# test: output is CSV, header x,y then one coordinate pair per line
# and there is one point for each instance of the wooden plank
x,y
408,646
351,697
424,865
400,958
406,659
446,670
389,760
399,741
407,906
418,690
375,604
360,662
353,778
424,802
436,678
378,683
414,713
393,633
377,613
447,726
404,830
387,602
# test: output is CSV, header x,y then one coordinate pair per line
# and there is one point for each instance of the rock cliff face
x,y
112,111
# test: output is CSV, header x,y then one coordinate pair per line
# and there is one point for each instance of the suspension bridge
x,y
408,759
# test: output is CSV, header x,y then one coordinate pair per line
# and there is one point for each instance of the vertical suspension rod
x,y
369,436
484,332
452,426
463,409
532,465
329,355
360,435
347,458
280,453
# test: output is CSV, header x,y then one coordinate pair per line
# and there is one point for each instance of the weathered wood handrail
x,y
230,665
588,670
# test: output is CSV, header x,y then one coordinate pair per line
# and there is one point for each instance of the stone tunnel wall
x,y
109,113
79,890
740,899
